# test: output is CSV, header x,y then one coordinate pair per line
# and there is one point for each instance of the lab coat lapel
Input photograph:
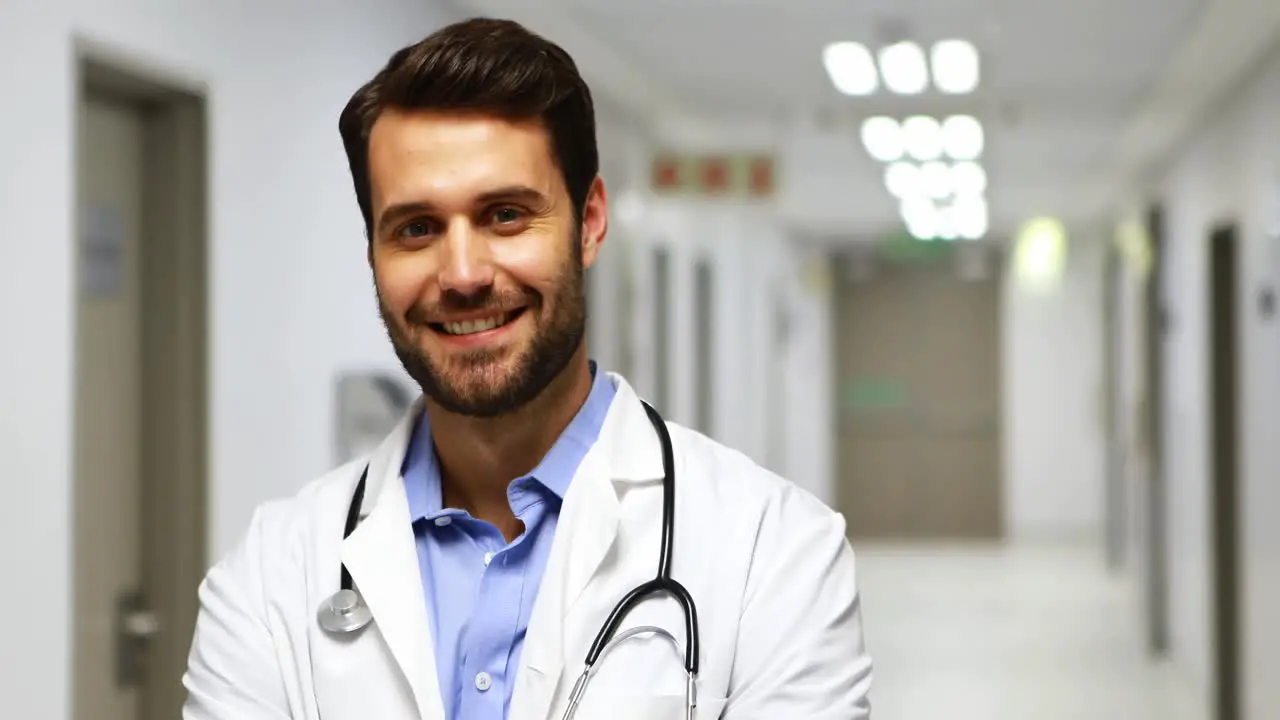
x,y
587,528
381,556
589,525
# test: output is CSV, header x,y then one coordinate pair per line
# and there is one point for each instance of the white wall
x,y
291,295
1052,394
1230,169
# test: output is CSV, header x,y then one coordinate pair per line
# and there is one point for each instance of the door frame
x,y
1155,324
1225,316
175,343
1116,528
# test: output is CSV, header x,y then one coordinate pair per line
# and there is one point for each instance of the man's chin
x,y
482,402
485,389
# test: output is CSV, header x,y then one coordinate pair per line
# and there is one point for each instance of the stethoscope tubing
x,y
662,582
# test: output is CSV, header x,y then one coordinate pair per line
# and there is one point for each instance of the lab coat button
x,y
488,558
483,681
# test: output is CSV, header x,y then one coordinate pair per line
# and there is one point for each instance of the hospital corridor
x,y
995,281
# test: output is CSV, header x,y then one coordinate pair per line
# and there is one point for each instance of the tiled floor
x,y
988,633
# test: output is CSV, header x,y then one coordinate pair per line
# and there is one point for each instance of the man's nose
x,y
468,266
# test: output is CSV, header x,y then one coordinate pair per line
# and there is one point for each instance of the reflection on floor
x,y
991,633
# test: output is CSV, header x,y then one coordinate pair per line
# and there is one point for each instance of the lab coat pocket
x,y
645,707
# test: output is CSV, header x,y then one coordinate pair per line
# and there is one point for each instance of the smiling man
x,y
472,565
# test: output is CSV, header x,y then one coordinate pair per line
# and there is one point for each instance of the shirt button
x,y
483,681
443,520
488,558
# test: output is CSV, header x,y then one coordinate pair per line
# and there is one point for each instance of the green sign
x,y
904,248
873,394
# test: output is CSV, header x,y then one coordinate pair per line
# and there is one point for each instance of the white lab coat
x,y
767,564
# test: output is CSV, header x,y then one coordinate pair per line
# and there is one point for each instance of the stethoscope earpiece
x,y
344,612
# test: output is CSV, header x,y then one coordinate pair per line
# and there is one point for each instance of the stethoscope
x,y
346,612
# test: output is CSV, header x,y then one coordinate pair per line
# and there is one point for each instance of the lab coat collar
x,y
382,555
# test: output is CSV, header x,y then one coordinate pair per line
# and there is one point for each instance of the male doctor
x,y
522,496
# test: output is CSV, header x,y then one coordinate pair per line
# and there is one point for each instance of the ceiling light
x,y
1040,253
935,179
851,67
955,66
968,179
921,218
904,69
902,179
962,137
970,217
922,137
945,223
882,137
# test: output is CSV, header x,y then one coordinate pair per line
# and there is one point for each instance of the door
x,y
661,319
919,371
1151,440
1116,531
704,330
109,409
139,395
1223,363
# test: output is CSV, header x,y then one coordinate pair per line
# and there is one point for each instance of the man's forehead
x,y
454,151
470,132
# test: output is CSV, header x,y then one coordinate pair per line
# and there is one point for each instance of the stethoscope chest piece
x,y
344,612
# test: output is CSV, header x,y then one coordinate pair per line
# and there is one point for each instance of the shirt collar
x,y
421,471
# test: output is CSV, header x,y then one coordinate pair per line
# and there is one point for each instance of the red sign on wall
x,y
738,175
760,176
715,175
667,174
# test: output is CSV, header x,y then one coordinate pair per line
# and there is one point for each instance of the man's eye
x,y
504,216
418,228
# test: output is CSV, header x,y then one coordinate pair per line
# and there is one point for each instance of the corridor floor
x,y
989,633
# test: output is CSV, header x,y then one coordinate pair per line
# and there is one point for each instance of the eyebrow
x,y
513,193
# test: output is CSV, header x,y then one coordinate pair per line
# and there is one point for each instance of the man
x,y
523,496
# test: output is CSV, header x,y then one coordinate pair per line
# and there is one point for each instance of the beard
x,y
489,383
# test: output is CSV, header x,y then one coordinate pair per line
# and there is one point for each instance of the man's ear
x,y
595,221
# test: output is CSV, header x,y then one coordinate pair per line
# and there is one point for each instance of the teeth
x,y
469,327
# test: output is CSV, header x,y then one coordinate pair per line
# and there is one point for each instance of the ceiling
x,y
1078,98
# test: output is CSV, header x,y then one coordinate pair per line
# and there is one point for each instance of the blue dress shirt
x,y
479,589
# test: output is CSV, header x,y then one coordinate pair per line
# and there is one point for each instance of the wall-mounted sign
x,y
102,251
873,394
725,175
369,405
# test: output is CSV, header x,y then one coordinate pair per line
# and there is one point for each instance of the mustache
x,y
487,300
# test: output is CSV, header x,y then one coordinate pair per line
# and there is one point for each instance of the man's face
x,y
476,256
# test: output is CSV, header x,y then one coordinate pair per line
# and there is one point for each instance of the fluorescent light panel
x,y
902,180
968,179
963,218
904,69
883,138
935,179
963,137
851,68
955,66
922,137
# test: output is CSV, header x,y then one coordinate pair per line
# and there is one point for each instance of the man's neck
x,y
479,457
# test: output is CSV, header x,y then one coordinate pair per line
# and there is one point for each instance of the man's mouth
x,y
477,325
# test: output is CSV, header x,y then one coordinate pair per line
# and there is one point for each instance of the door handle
x,y
136,625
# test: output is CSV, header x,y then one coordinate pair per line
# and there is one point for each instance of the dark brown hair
x,y
486,66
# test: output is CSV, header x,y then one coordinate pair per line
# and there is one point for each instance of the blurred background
x,y
994,279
